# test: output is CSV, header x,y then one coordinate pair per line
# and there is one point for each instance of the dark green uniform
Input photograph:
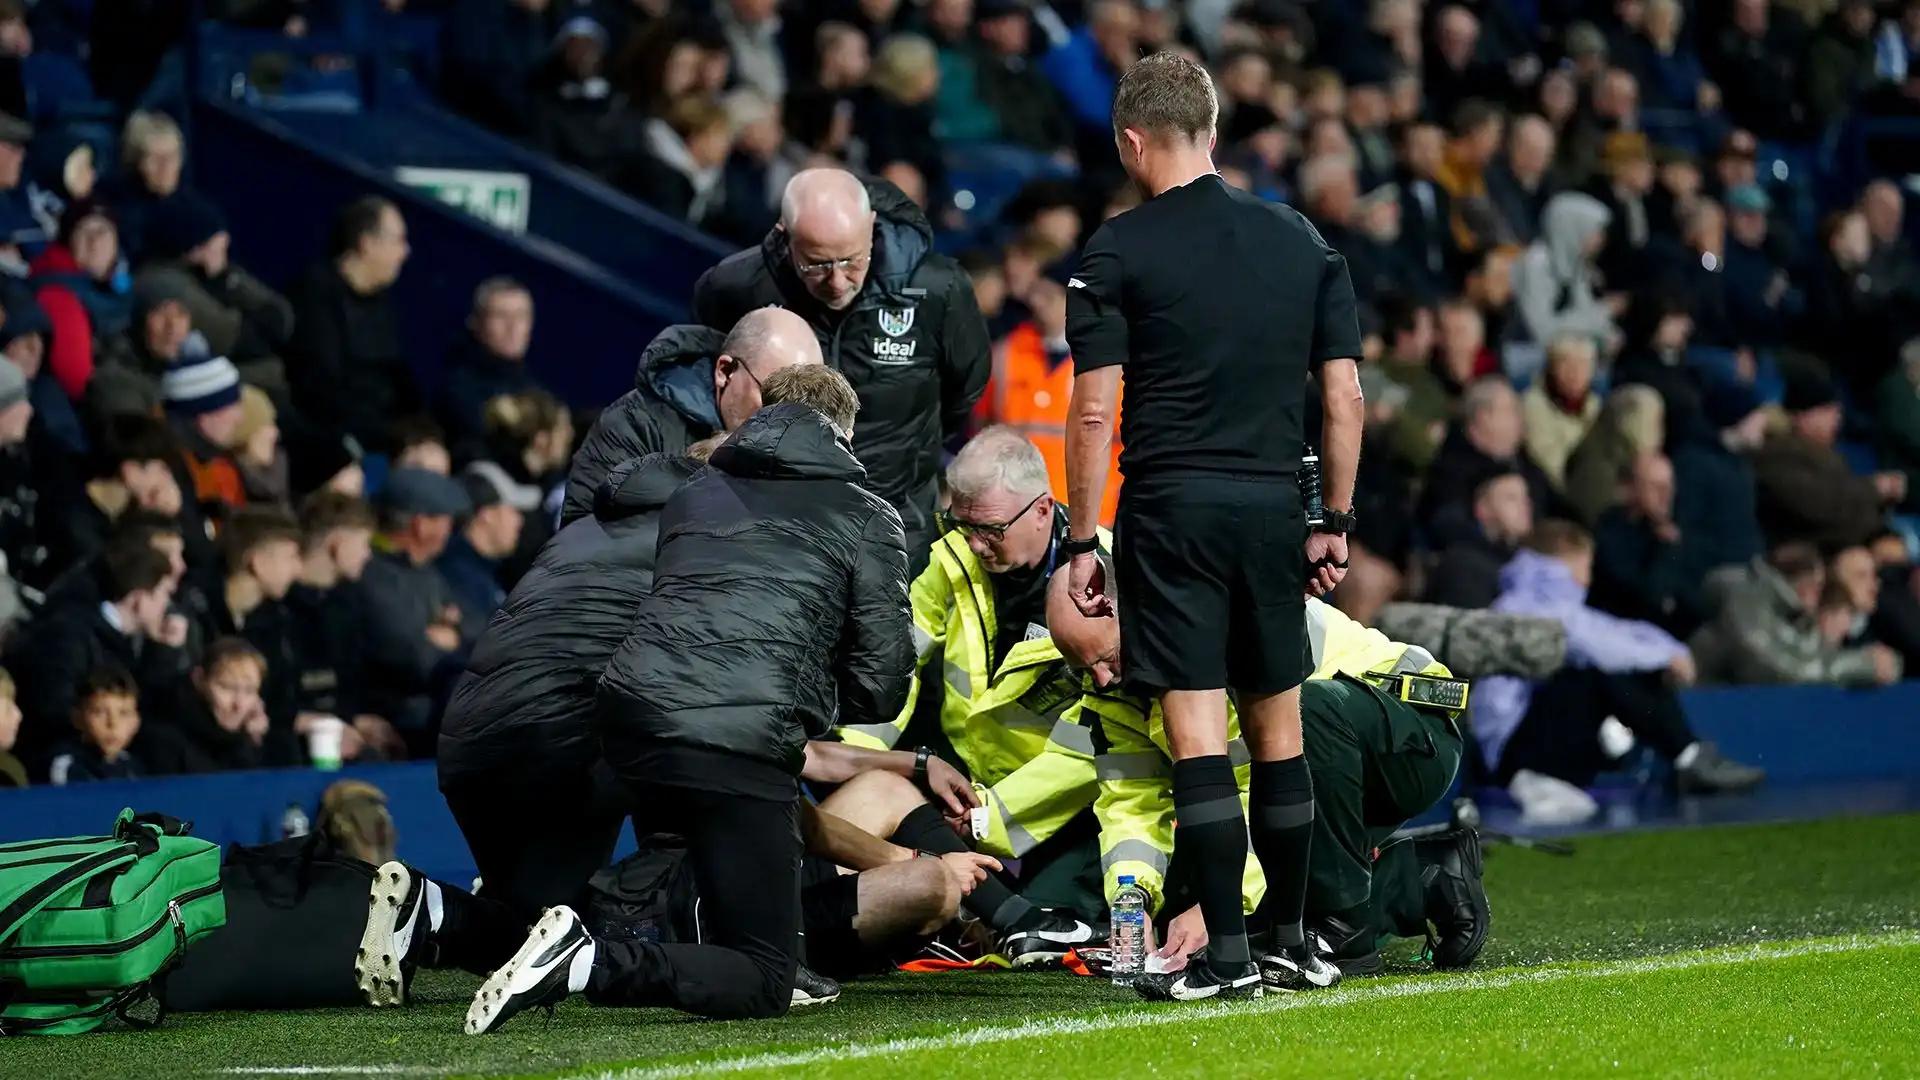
x,y
1376,762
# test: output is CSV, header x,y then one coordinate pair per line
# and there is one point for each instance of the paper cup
x,y
323,742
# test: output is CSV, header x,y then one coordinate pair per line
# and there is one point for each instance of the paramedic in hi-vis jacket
x,y
1383,744
1006,703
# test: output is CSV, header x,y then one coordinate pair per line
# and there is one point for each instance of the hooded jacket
x,y
780,589
913,344
670,408
528,691
1553,282
1541,585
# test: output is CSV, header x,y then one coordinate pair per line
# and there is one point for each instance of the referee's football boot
x,y
538,975
1199,982
1351,948
396,935
1048,943
812,988
1293,968
1456,901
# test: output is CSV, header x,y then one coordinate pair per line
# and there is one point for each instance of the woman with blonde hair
x,y
894,115
1632,422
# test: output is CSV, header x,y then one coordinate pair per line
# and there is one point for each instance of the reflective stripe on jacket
x,y
1135,768
1016,728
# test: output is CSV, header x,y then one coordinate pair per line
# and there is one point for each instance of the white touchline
x,y
1346,995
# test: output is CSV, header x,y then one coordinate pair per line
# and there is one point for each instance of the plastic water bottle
x,y
1127,939
294,822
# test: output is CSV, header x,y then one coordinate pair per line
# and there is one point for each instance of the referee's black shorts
x,y
1211,576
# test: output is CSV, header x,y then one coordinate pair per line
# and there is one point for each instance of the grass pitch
x,y
1762,951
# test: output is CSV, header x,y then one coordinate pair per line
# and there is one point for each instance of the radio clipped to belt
x,y
1424,691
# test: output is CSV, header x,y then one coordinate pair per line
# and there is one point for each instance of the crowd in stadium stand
x,y
1598,287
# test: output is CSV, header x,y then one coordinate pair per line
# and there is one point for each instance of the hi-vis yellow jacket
x,y
1016,727
1135,804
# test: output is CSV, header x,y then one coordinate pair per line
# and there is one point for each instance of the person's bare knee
x,y
875,801
1196,722
1271,724
909,899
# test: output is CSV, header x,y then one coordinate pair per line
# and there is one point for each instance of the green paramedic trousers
x,y
1376,762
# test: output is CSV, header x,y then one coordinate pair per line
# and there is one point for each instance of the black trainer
x,y
1291,969
395,935
1457,911
1350,948
812,988
537,974
1198,982
1048,944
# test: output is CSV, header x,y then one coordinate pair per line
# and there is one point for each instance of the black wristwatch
x,y
1075,548
920,756
1338,522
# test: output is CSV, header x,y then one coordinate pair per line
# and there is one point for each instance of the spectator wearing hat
x,y
324,461
24,330
242,318
489,360
1761,299
488,536
202,397
80,281
575,114
1623,187
416,632
126,379
22,536
1807,490
264,470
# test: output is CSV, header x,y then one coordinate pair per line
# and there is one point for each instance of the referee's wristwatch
x,y
1338,522
920,756
1075,548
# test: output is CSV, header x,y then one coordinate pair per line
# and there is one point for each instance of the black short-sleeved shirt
x,y
1219,304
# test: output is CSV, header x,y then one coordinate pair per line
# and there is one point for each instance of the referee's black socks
x,y
1282,803
926,829
1210,841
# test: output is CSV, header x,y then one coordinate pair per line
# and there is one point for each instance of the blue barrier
x,y
1804,736
281,191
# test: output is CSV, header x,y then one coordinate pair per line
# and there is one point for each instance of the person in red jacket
x,y
82,283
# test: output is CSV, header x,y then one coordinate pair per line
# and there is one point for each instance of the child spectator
x,y
203,401
131,628
106,717
222,723
1837,615
262,549
12,772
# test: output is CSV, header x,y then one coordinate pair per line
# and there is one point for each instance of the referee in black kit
x,y
1217,306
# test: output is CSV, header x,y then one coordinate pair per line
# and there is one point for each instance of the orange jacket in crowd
x,y
1031,395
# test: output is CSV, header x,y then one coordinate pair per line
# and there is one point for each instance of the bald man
x,y
854,258
1378,759
693,382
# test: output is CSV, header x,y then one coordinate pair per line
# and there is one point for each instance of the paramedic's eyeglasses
x,y
820,271
983,529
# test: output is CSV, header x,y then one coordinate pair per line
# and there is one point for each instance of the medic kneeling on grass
x,y
1382,743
